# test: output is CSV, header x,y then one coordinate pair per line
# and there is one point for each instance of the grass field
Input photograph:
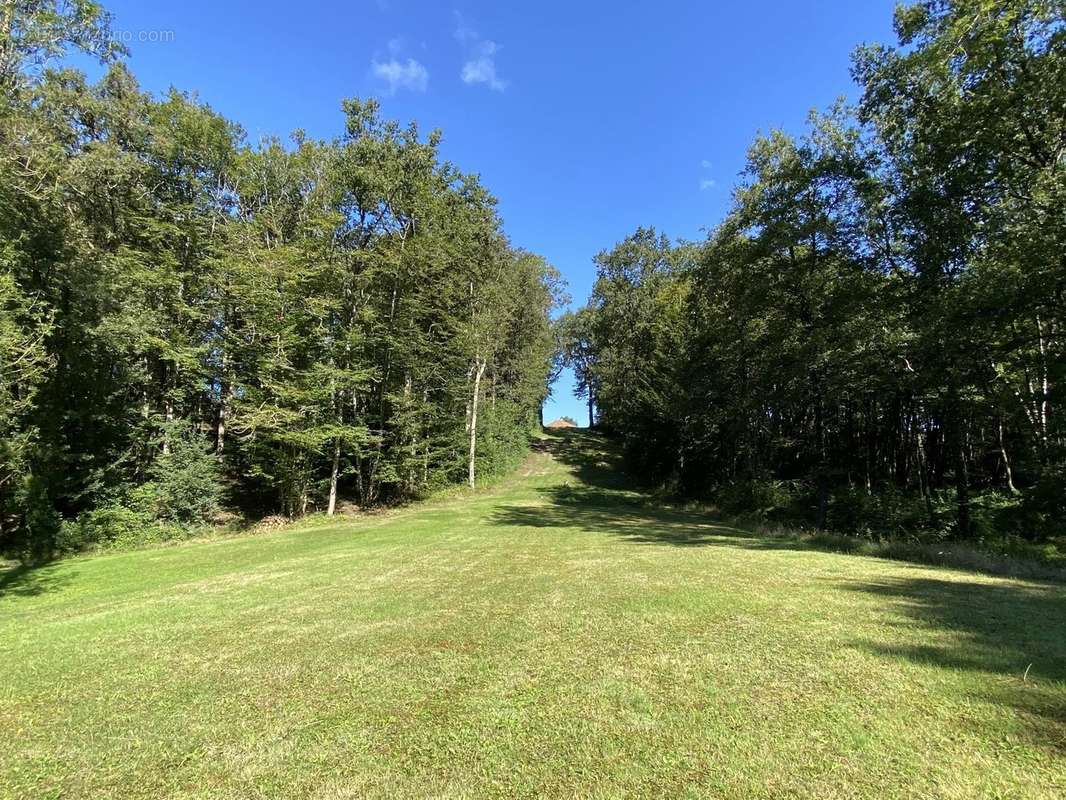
x,y
556,635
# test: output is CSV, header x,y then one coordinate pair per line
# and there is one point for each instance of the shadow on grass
x,y
603,500
999,629
29,580
1013,631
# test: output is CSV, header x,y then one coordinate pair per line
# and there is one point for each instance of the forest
x,y
872,340
296,502
195,325
198,327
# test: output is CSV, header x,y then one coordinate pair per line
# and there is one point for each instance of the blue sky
x,y
585,119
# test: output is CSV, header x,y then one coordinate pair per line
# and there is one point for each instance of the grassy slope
x,y
556,635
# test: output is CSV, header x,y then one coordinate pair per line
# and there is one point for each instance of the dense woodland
x,y
191,322
873,339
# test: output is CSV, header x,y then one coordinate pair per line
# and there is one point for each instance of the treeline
x,y
873,339
191,322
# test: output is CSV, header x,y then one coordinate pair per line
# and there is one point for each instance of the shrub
x,y
116,527
101,527
878,515
41,524
1043,509
186,482
503,439
852,511
762,497
994,516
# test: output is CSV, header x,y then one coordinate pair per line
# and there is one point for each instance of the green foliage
x,y
40,524
880,515
186,482
762,498
33,33
324,317
184,492
879,320
506,431
1043,507
103,527
116,528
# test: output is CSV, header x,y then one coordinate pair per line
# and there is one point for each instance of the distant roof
x,y
561,423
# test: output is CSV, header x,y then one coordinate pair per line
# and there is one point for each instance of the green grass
x,y
555,635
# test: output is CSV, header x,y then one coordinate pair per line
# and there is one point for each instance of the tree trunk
x,y
168,412
425,442
962,493
958,454
1006,461
1045,392
822,478
592,418
923,473
360,487
478,372
334,472
220,421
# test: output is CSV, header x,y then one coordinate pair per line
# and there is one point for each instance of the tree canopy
x,y
873,338
190,319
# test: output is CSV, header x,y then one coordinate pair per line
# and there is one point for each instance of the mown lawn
x,y
554,636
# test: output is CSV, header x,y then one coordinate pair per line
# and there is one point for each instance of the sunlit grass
x,y
556,635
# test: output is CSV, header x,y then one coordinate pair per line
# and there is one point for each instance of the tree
x,y
967,111
879,317
575,333
35,32
333,317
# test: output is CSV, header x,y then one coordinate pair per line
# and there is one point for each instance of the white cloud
x,y
463,32
482,68
706,183
398,74
480,64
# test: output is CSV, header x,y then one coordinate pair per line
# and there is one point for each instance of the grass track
x,y
558,635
